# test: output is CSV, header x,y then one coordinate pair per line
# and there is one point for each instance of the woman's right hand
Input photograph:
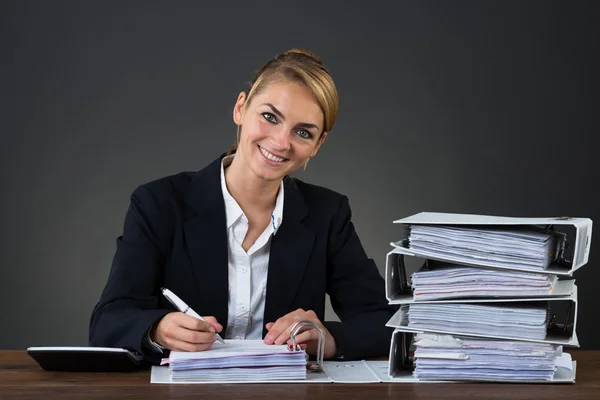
x,y
180,332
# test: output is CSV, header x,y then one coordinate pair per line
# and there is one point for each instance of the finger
x,y
180,345
194,323
194,337
280,331
305,336
213,321
284,336
269,325
278,328
172,330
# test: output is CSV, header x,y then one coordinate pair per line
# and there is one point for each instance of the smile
x,y
271,157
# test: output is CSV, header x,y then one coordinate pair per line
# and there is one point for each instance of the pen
x,y
184,308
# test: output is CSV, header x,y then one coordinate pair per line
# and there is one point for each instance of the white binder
x,y
576,234
561,332
400,368
398,288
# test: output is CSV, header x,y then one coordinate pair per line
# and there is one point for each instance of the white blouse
x,y
247,270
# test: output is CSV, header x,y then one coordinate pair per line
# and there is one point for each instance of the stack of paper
x,y
447,281
439,357
505,247
526,321
238,360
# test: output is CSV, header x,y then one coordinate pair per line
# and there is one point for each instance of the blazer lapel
x,y
206,240
290,252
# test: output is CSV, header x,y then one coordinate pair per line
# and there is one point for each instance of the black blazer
x,y
175,236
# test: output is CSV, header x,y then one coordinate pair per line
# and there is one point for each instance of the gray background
x,y
477,107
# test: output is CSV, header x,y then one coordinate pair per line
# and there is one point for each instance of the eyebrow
x,y
280,115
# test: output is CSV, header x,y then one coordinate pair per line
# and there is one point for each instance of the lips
x,y
271,157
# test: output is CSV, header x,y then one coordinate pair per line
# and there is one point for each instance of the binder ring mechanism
x,y
300,327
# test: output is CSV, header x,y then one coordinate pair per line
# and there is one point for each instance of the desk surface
x,y
22,378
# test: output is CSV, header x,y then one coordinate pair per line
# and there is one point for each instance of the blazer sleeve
x,y
357,293
128,306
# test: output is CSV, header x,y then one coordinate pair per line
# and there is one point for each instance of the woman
x,y
249,248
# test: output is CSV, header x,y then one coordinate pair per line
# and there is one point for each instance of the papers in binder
x,y
445,280
508,319
418,357
411,279
501,246
528,322
247,360
483,359
238,360
550,245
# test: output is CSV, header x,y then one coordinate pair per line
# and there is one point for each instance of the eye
x,y
269,117
303,133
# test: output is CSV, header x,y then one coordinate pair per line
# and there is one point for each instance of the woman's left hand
x,y
279,332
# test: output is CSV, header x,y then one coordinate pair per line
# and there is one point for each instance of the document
x,y
513,246
448,281
446,357
239,360
514,320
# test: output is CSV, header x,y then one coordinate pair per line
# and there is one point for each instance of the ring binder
x,y
572,237
398,280
300,327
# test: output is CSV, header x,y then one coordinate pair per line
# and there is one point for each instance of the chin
x,y
265,174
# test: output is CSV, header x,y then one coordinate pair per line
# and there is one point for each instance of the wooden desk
x,y
22,378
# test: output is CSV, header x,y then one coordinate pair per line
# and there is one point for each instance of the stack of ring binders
x,y
511,272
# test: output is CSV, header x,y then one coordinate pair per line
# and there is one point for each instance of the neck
x,y
251,192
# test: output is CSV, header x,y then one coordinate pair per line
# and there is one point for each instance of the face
x,y
280,129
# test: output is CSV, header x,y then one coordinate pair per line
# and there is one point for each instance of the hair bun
x,y
306,53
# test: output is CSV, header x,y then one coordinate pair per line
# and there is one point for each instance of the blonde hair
x,y
305,68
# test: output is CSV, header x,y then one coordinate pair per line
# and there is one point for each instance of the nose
x,y
280,139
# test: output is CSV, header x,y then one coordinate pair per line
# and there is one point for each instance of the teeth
x,y
271,156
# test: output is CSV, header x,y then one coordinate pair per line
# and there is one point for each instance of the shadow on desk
x,y
22,378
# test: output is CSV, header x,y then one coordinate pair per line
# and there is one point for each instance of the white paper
x,y
564,361
231,348
161,375
238,360
516,321
501,246
445,280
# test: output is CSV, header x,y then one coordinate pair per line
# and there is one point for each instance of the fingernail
x,y
212,329
268,339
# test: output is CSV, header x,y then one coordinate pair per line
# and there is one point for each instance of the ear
x,y
319,143
238,109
